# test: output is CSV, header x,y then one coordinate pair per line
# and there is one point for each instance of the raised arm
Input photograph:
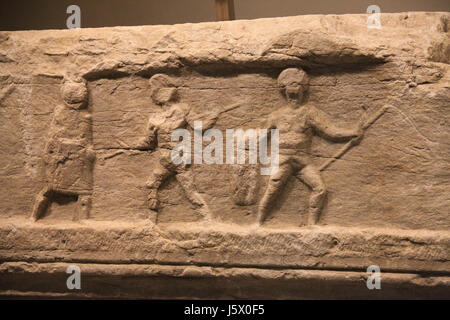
x,y
324,125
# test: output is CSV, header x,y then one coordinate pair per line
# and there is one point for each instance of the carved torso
x,y
68,161
168,121
295,130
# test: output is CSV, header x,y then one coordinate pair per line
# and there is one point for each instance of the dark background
x,y
51,14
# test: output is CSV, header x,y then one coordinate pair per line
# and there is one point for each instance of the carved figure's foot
x,y
313,218
255,226
40,207
206,213
260,218
206,221
84,207
312,223
302,224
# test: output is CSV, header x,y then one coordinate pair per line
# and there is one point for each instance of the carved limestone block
x,y
243,159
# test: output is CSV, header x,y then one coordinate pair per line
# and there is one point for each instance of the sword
x,y
351,143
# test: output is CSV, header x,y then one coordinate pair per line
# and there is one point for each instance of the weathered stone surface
x,y
363,117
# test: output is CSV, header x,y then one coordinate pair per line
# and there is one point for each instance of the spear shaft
x,y
351,143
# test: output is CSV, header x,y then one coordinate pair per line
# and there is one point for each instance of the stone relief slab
x,y
360,119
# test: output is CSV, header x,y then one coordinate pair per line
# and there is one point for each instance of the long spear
x,y
351,143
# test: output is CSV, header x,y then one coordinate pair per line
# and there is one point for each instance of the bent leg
x,y
275,184
186,180
311,177
159,175
41,204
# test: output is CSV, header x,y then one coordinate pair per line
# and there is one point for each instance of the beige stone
x,y
86,119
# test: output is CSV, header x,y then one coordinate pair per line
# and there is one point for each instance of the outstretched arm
x,y
325,126
209,118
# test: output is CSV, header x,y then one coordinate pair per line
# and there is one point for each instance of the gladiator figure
x,y
172,116
68,155
297,123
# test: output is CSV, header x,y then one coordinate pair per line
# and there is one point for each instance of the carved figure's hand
x,y
145,143
91,154
209,123
153,204
358,136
